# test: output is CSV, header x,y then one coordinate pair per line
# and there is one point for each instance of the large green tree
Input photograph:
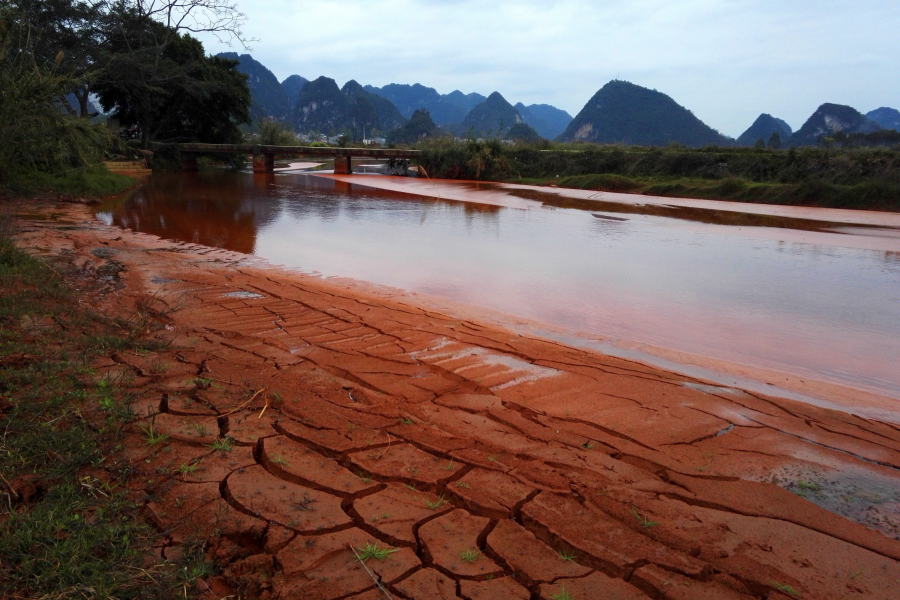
x,y
156,76
178,95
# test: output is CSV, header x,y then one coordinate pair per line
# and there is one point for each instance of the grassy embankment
x,y
69,524
862,178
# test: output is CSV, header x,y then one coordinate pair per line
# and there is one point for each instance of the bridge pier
x,y
188,162
264,163
342,165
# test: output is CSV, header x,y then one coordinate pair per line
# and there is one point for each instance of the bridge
x,y
264,156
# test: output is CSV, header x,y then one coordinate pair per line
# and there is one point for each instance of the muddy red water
x,y
819,304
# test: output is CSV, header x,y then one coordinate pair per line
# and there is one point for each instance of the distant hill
x,y
292,86
548,121
419,126
324,108
830,119
387,117
887,118
492,117
269,98
522,132
763,128
624,112
444,109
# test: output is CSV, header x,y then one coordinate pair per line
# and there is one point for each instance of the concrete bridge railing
x,y
264,156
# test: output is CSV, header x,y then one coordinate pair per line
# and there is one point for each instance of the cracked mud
x,y
301,422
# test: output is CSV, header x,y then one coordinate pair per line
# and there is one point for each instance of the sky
x,y
726,60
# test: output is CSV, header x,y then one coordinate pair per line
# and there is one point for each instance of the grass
x,y
68,527
562,594
90,182
470,555
279,460
866,178
436,504
786,589
152,436
567,556
372,551
644,521
225,444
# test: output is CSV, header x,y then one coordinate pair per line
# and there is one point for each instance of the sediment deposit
x,y
307,419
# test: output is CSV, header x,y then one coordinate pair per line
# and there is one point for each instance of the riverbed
x,y
821,303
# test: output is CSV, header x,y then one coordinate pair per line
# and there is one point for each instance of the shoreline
x,y
342,397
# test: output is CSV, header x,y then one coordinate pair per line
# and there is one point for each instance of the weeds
x,y
279,460
567,556
644,521
471,555
64,532
225,444
436,504
373,551
563,594
151,436
786,589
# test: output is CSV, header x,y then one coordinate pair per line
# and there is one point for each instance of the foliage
x,y
274,133
171,92
854,178
35,134
68,528
62,32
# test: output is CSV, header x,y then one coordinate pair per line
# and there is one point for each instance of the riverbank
x,y
859,178
286,421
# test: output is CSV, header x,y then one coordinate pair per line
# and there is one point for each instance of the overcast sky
x,y
726,60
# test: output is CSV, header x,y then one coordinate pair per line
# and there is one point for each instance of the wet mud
x,y
325,442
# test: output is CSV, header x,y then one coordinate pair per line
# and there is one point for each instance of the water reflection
x,y
815,309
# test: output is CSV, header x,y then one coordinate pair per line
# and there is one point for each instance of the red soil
x,y
345,418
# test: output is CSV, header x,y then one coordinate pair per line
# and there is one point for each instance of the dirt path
x,y
305,417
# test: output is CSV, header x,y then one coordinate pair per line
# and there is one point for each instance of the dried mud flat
x,y
307,419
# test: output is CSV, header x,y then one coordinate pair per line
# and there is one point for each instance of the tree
x,y
775,141
148,57
63,37
181,95
760,143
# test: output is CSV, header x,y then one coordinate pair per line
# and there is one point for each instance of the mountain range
x,y
323,107
620,112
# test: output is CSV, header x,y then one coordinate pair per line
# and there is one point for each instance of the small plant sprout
x,y
200,428
449,467
471,555
563,594
437,504
567,556
365,478
153,437
461,484
225,444
786,589
589,445
406,421
186,469
373,551
644,521
279,460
